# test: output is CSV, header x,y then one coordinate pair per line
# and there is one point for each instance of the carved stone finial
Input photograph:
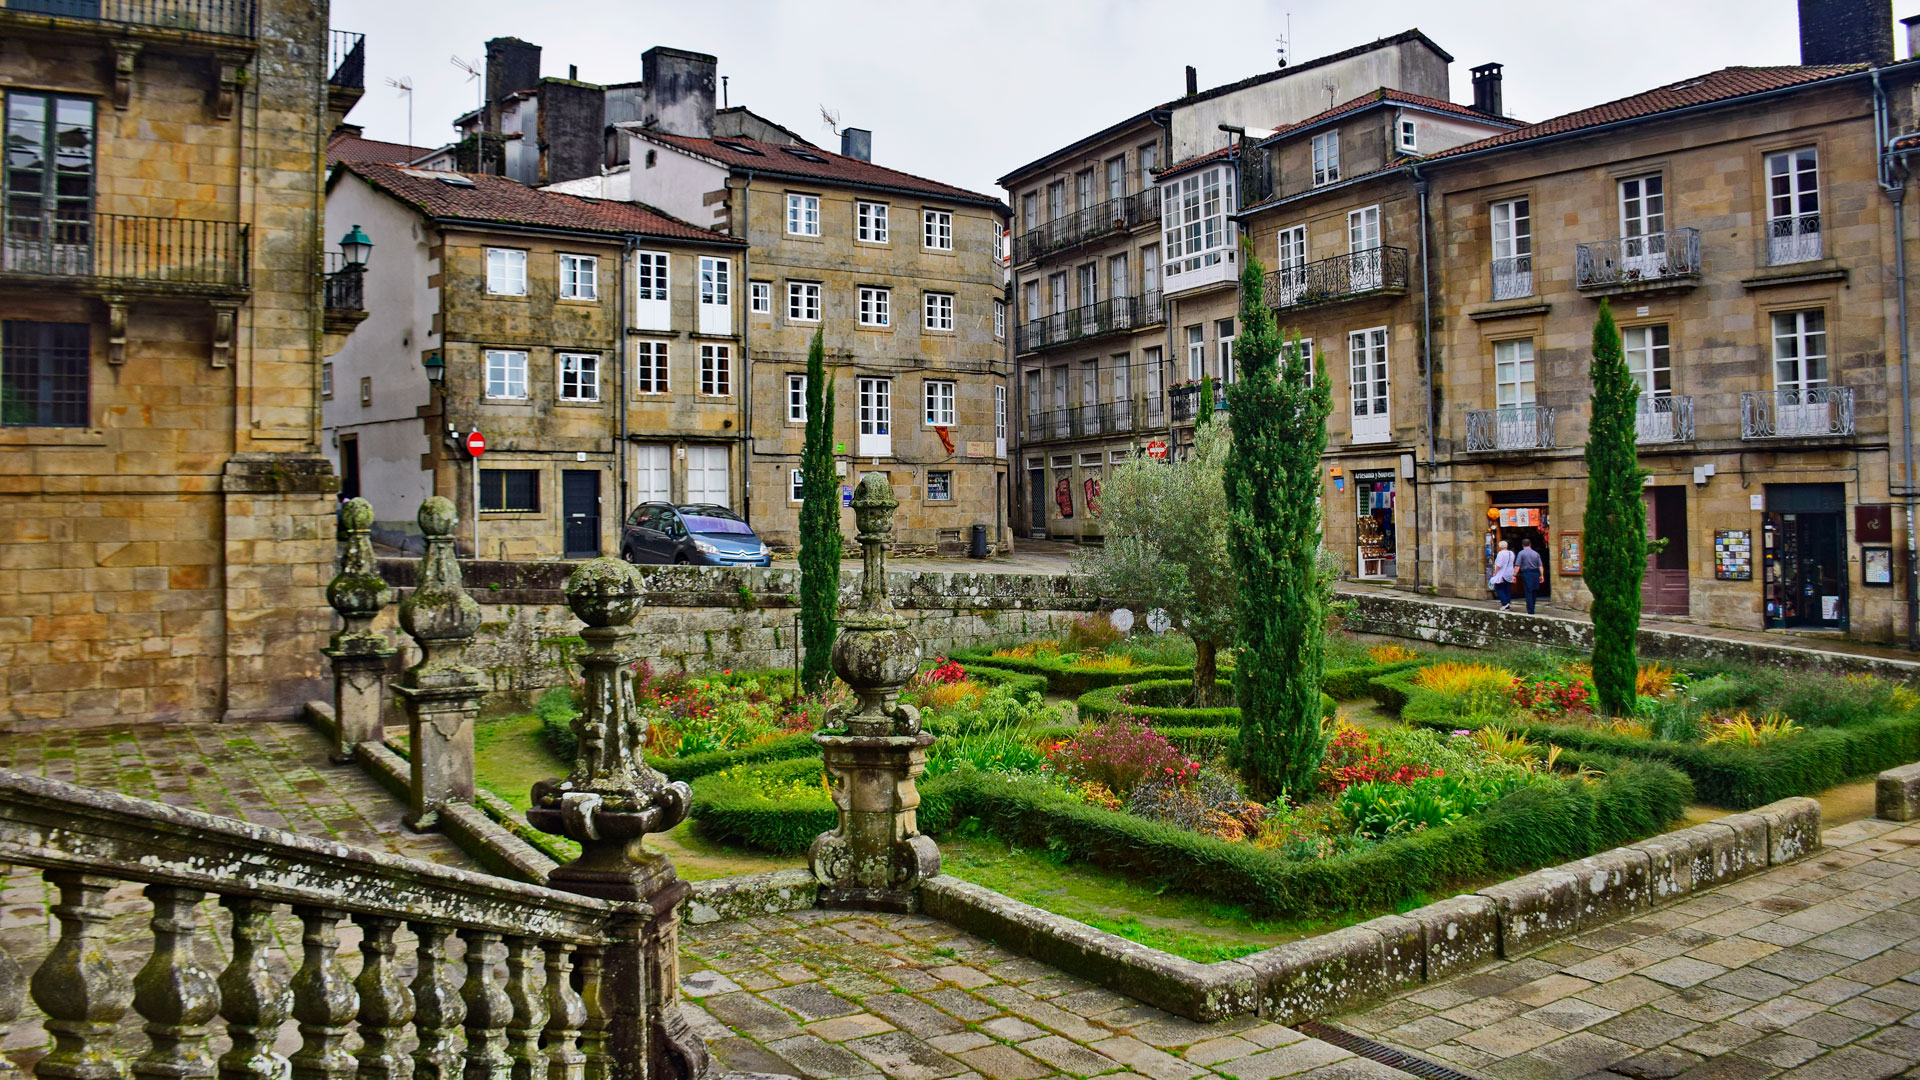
x,y
873,507
875,653
612,799
438,613
358,651
442,692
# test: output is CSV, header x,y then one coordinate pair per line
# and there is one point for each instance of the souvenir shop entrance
x,y
1378,540
1516,516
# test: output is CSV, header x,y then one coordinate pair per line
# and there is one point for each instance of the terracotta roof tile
x,y
354,148
508,202
820,164
1385,95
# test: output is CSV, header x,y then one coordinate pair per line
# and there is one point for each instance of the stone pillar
x,y
874,749
358,651
609,803
442,692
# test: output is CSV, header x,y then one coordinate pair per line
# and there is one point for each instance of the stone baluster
x,y
566,1016
13,998
874,749
324,1001
437,1008
488,1010
442,692
359,652
609,803
529,1010
78,986
386,1007
593,1034
253,1000
173,993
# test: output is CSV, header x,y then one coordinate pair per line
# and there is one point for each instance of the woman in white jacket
x,y
1502,579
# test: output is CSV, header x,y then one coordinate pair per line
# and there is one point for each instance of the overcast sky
x,y
965,90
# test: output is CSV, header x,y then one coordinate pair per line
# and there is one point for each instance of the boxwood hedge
x,y
1063,675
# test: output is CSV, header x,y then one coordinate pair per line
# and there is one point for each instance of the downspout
x,y
1896,190
1163,119
620,381
746,352
1426,377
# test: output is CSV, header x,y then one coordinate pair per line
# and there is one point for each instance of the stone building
x,y
166,518
1126,262
583,339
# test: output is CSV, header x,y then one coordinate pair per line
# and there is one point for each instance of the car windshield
x,y
710,524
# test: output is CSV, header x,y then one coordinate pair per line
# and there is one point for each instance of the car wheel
x,y
627,554
680,560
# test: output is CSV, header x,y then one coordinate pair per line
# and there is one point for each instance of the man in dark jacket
x,y
1529,564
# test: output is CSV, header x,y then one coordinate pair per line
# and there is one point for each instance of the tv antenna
x,y
404,84
474,72
831,119
1331,88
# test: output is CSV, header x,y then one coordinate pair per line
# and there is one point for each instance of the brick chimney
x,y
1912,23
1193,80
677,92
1846,31
856,143
1486,90
512,66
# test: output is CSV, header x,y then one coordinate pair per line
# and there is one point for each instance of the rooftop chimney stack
x,y
677,92
1193,80
1486,90
1846,31
1912,23
573,72
856,143
512,66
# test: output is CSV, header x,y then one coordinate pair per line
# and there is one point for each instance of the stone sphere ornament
x,y
605,592
1121,620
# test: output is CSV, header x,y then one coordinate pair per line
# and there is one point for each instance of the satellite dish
x,y
1159,621
1122,619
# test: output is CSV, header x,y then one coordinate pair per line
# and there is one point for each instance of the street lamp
x,y
356,246
436,368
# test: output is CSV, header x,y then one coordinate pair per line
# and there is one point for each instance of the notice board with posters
x,y
1733,554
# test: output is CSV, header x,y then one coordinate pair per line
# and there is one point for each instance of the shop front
x,y
1517,517
1804,556
1376,538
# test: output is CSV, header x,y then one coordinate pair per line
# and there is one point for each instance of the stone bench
x,y
1896,794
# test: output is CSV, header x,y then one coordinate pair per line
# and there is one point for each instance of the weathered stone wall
x,y
702,618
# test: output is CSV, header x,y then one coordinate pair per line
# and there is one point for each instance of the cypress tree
x,y
1616,520
1278,414
819,527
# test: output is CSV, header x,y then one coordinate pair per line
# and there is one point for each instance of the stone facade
x,y
166,531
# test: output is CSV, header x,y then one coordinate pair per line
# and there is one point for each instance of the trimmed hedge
x,y
1539,825
1347,683
1098,705
1734,776
1065,678
783,748
1013,680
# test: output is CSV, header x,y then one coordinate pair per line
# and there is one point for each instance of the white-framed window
x,y
1194,211
1649,358
1364,271
875,417
1223,333
652,473
1056,200
803,214
760,297
803,301
579,277
1030,211
579,376
939,403
716,295
1799,349
326,380
650,308
366,389
1367,362
1000,421
1150,273
1513,373
1408,142
876,306
1148,158
716,370
1196,353
797,486
939,485
870,222
1326,158
506,272
649,367
1290,266
999,320
936,227
1031,290
1512,248
796,399
939,311
1643,224
1793,206
507,374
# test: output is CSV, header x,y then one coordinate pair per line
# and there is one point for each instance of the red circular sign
x,y
476,444
1156,449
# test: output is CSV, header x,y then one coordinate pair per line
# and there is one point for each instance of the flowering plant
x,y
1551,697
1121,754
1355,757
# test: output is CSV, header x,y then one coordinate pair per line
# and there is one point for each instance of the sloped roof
x,y
827,166
1727,84
467,197
349,147
1388,96
1198,160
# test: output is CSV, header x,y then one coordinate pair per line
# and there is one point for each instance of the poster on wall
x,y
1876,565
1733,554
1571,554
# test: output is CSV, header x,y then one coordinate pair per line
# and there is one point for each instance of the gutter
x,y
566,234
620,386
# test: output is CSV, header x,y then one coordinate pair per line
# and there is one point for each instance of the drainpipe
x,y
620,385
1163,119
746,353
1893,181
1426,381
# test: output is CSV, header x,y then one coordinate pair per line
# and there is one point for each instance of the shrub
x,y
1092,633
1502,745
1656,680
1121,753
951,695
1210,804
1379,809
1001,748
1551,697
1391,654
1356,757
1477,687
556,711
1743,729
778,808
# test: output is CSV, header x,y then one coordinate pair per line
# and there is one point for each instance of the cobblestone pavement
x,y
1810,970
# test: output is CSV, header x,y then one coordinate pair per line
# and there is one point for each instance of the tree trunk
x,y
1206,670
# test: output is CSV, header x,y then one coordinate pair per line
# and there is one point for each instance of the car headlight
x,y
703,546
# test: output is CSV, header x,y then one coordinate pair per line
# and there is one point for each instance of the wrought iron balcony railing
x,y
1185,400
1109,316
1343,277
229,18
1511,427
1513,278
347,59
346,290
1667,418
1800,412
1088,223
121,248
1793,239
1663,257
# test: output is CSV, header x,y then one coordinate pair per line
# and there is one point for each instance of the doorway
x,y
1804,543
1664,590
349,466
1037,501
1518,516
580,513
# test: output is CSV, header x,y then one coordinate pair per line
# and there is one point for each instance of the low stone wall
x,y
708,618
1472,627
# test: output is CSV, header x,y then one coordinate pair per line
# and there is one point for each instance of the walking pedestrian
x,y
1502,579
1529,564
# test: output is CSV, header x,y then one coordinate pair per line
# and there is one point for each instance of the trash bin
x,y
979,542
